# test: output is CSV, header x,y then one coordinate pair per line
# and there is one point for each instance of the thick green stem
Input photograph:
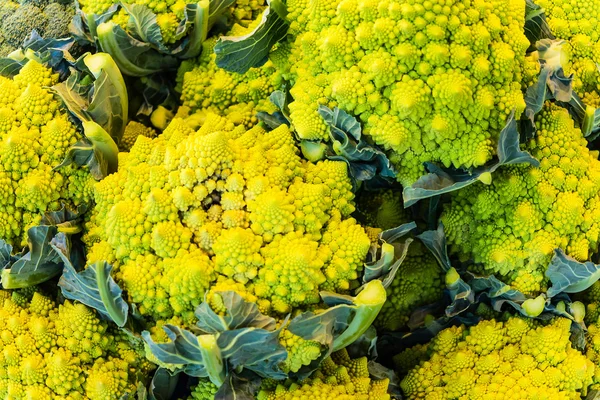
x,y
368,304
109,44
102,62
103,142
101,277
211,358
200,30
22,280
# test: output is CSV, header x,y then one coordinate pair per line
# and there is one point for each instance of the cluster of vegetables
x,y
301,199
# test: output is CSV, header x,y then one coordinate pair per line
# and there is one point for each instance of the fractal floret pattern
x,y
512,226
514,358
431,81
35,135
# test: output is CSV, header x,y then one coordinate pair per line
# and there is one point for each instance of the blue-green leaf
x,y
569,275
439,181
240,53
245,339
239,314
435,241
183,350
34,265
255,349
366,162
536,27
280,99
163,384
384,260
379,372
95,288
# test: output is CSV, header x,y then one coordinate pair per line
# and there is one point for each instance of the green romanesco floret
x,y
50,19
338,377
132,131
494,360
221,207
35,135
204,390
418,282
513,225
431,81
207,88
51,351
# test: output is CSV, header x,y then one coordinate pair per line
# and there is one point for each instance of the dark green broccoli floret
x,y
18,21
59,17
18,26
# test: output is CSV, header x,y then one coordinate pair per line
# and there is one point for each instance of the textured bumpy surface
x,y
35,135
66,351
517,358
513,225
224,208
432,81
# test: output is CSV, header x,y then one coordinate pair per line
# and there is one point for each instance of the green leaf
x,y
134,57
142,23
383,261
536,26
242,386
440,181
460,293
379,372
10,67
239,314
366,162
35,265
338,326
240,53
95,288
163,384
569,275
85,153
244,338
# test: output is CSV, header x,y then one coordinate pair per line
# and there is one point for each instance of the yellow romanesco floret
x,y
66,351
338,377
513,225
35,136
213,206
483,363
206,88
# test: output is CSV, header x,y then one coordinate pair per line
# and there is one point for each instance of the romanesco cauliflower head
x,y
63,351
206,88
339,377
197,211
514,358
132,131
35,135
512,226
431,81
